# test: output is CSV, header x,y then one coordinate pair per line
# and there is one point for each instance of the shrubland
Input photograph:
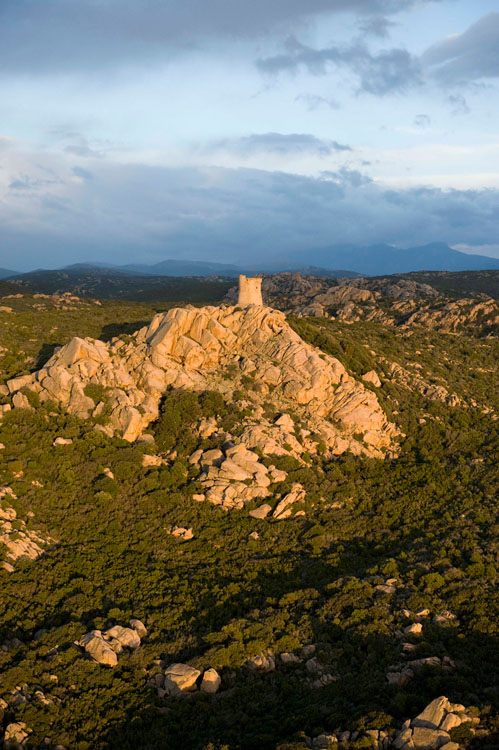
x,y
423,519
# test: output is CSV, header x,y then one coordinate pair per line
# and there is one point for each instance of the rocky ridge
x,y
193,348
388,301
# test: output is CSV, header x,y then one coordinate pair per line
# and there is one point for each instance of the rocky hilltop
x,y
390,301
212,348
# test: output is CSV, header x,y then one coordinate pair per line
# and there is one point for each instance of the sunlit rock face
x,y
215,348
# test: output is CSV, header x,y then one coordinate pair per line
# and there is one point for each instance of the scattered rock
x,y
262,662
287,658
284,507
372,377
211,681
99,649
139,627
15,735
127,637
261,512
415,628
180,678
181,533
148,460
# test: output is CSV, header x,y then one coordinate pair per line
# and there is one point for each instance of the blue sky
x,y
218,129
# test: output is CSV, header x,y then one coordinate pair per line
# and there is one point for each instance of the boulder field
x,y
216,348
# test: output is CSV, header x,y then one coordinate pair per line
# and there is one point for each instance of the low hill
x,y
5,273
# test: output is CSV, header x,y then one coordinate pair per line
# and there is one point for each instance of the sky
x,y
228,130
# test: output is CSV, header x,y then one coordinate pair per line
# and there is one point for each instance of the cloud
x,y
466,57
314,101
459,104
83,174
378,26
84,151
60,35
422,121
281,144
20,184
387,71
223,214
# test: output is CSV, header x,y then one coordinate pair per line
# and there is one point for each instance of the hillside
x,y
455,302
295,547
105,283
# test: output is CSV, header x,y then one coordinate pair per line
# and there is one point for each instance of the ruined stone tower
x,y
250,292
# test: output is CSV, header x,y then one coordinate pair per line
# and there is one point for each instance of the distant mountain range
x,y
5,273
179,268
333,261
377,260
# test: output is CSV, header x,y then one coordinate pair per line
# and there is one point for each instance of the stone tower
x,y
250,292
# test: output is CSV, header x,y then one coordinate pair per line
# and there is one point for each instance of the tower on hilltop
x,y
250,291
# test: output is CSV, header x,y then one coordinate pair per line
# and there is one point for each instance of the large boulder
x,y
15,735
211,681
433,714
127,637
180,678
99,649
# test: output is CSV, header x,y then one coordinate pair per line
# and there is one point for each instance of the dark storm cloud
x,y
63,35
281,143
392,70
130,211
466,57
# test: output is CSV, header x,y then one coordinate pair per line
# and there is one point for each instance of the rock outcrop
x,y
430,729
17,540
104,648
191,348
392,301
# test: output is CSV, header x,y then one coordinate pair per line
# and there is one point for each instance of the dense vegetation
x,y
105,284
426,519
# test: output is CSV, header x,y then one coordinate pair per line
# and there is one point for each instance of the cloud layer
x,y
122,213
469,56
61,35
281,144
392,70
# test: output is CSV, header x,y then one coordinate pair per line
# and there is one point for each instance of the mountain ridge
x,y
332,260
